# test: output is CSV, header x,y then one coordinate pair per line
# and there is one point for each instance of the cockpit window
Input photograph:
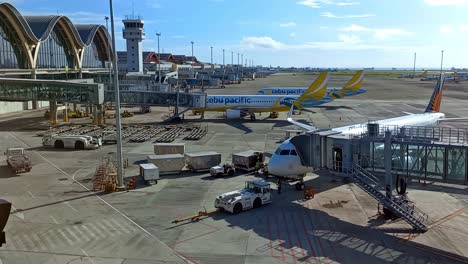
x,y
293,152
278,150
284,152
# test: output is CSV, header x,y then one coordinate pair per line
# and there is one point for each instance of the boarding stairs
x,y
397,204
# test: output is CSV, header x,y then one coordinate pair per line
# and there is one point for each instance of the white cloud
x,y
445,2
351,39
379,33
360,16
346,3
292,34
327,14
317,3
446,29
262,42
331,15
356,28
288,24
453,28
344,42
310,3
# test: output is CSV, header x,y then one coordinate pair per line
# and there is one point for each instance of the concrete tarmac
x,y
57,219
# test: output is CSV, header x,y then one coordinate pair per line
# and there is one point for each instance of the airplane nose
x,y
273,165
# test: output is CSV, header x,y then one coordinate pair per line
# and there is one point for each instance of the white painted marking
x,y
82,234
38,241
49,238
30,193
55,220
72,233
70,242
17,214
102,226
104,201
86,254
69,205
99,233
89,231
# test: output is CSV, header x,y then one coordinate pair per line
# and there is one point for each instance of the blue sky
x,y
316,33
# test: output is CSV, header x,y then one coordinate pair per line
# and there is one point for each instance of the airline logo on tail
x,y
352,87
316,92
436,99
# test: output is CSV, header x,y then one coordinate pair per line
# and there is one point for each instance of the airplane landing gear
x,y
300,186
252,116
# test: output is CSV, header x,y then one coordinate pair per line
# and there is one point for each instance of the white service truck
x,y
72,141
254,195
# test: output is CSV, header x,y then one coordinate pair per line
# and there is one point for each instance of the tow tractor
x,y
254,195
226,169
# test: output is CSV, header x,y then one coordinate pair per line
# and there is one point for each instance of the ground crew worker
x,y
257,165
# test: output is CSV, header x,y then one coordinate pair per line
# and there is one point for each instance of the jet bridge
x,y
425,153
50,90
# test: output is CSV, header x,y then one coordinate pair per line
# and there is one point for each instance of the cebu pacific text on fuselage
x,y
286,91
229,100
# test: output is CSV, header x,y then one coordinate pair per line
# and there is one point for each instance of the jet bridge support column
x,y
65,114
53,112
388,164
97,114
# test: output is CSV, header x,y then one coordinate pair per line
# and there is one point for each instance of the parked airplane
x,y
285,162
352,87
235,105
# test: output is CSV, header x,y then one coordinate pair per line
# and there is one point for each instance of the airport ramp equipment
x,y
396,204
13,90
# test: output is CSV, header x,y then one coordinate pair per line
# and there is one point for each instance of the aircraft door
x,y
338,159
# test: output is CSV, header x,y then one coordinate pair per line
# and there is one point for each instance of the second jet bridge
x,y
156,98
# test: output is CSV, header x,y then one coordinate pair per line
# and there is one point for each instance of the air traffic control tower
x,y
134,33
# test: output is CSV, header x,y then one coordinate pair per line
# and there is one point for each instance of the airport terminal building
x,y
30,44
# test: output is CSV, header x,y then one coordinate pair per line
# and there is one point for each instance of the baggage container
x,y
149,172
200,161
168,164
169,148
246,160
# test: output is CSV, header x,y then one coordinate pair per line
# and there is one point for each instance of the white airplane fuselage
x,y
283,164
259,103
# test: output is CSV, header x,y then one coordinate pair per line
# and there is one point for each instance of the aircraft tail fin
x,y
354,84
436,98
318,89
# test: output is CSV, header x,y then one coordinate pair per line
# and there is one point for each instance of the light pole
x,y
232,58
441,61
159,62
109,52
242,68
238,59
118,123
192,48
211,56
223,59
414,66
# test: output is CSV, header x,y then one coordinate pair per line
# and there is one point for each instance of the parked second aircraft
x,y
352,87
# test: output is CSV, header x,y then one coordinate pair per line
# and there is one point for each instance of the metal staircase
x,y
397,204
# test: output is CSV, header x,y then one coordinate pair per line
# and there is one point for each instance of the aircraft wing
x,y
299,124
453,119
